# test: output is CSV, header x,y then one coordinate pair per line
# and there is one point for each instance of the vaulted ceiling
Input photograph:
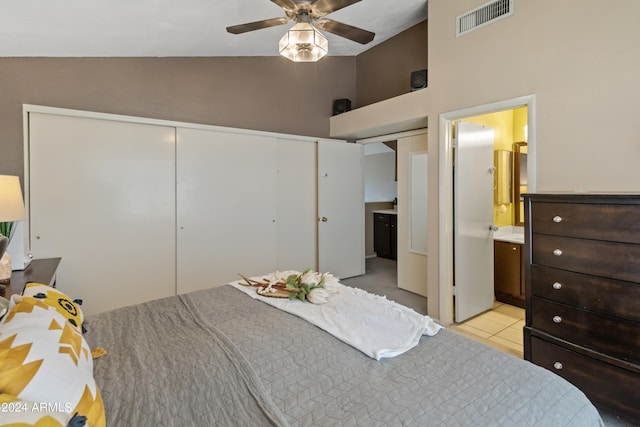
x,y
77,28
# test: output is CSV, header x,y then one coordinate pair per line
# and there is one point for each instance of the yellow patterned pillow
x,y
44,359
53,297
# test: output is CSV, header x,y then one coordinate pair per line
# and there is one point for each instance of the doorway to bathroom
x,y
453,261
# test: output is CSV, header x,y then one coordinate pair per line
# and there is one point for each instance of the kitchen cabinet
x,y
582,291
385,235
508,273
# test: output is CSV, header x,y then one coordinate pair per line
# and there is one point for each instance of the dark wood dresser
x,y
582,293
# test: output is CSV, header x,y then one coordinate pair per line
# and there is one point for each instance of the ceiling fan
x,y
310,12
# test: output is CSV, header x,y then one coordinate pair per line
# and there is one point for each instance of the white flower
x,y
311,278
273,281
331,283
279,276
318,296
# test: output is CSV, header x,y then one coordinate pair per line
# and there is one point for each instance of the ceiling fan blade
x,y
324,7
347,31
258,25
288,5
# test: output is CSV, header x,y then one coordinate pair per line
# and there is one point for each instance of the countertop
x,y
510,234
386,211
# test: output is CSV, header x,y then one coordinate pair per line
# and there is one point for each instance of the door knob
x,y
324,219
493,228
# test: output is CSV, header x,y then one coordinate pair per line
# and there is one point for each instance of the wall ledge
x,y
398,114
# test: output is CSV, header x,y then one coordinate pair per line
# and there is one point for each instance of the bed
x,y
220,358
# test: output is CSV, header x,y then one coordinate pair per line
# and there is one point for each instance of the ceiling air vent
x,y
485,14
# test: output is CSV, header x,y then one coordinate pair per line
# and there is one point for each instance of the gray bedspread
x,y
219,358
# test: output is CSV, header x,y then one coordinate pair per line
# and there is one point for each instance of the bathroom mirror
x,y
520,180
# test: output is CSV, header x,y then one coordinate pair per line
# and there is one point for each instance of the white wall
x,y
379,174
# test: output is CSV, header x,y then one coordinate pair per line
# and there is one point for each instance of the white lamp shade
x,y
303,43
11,202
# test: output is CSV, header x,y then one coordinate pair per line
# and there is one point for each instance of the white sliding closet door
x,y
226,207
297,205
102,197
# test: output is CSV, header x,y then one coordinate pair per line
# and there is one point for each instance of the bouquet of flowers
x,y
306,286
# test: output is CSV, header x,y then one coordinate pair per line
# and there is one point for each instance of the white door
x,y
341,208
102,197
473,219
226,207
297,205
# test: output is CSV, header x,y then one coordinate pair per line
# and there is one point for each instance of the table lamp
x,y
11,205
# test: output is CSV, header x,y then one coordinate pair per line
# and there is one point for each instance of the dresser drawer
x,y
611,385
599,294
619,261
618,223
614,337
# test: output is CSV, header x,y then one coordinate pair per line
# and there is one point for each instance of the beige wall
x,y
580,60
262,93
384,71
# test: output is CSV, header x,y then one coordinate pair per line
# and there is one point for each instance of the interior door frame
x,y
445,193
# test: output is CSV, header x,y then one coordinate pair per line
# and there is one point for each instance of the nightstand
x,y
39,271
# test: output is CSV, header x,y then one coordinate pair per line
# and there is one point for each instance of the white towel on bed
x,y
370,323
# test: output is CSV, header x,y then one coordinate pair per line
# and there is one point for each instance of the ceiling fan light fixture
x,y
303,43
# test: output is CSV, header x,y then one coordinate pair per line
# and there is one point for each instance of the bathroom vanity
x,y
508,265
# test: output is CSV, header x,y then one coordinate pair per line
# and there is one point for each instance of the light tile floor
x,y
500,327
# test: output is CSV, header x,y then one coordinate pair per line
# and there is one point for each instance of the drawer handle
x,y
557,319
557,219
557,365
557,285
557,252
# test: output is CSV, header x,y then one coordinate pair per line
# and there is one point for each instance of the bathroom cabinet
x,y
508,273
